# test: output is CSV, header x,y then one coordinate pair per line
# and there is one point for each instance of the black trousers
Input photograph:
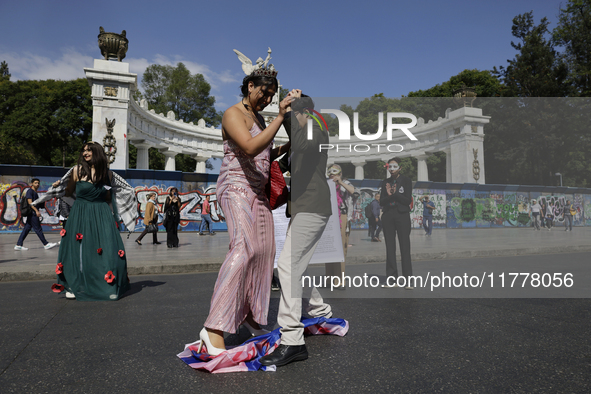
x,y
154,235
375,228
395,223
172,238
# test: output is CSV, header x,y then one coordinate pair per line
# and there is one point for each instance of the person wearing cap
x,y
396,197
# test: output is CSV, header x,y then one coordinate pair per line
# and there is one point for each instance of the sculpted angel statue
x,y
247,65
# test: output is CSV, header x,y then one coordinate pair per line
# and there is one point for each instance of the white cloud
x,y
71,63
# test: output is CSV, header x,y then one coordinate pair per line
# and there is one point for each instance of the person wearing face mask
x,y
396,197
345,192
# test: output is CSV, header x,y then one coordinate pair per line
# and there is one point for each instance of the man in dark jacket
x,y
310,210
396,197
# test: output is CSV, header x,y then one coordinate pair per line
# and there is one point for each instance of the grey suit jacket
x,y
309,188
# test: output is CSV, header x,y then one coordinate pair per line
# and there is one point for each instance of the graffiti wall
x,y
454,208
191,202
192,195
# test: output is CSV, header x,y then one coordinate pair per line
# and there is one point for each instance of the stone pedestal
x,y
462,148
112,87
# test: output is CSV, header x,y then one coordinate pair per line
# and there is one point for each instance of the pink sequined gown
x,y
244,280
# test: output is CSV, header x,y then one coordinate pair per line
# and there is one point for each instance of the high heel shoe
x,y
211,350
253,331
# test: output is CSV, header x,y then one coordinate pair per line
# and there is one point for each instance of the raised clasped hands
x,y
389,189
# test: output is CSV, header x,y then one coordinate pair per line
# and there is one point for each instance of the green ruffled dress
x,y
91,253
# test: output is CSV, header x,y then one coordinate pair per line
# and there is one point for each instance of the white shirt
x,y
536,208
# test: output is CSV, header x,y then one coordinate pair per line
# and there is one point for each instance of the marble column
x,y
448,165
359,173
200,167
143,159
169,163
422,171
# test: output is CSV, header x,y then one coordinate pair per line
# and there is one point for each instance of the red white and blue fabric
x,y
246,357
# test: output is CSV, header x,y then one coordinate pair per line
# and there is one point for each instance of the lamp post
x,y
560,175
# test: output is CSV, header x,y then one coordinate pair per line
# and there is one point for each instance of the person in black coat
x,y
396,197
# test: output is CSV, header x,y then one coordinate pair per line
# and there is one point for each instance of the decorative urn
x,y
112,45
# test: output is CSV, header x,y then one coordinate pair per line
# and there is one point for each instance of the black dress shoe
x,y
170,246
137,241
284,354
157,243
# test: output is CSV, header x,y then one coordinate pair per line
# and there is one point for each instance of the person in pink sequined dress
x,y
242,290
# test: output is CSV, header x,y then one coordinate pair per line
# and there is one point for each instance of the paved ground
x,y
206,253
397,344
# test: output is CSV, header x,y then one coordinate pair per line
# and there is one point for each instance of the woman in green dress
x,y
92,264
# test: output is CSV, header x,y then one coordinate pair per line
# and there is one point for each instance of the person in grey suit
x,y
310,210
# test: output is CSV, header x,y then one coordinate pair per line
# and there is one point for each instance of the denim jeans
x,y
568,222
206,218
428,224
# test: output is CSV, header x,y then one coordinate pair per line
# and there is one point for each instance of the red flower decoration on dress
x,y
121,253
99,250
59,268
79,237
63,232
57,288
109,277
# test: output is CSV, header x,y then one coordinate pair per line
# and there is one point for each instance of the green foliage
x,y
537,70
573,33
4,73
51,119
169,88
484,83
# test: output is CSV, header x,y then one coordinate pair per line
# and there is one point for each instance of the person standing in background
x,y
535,214
172,211
375,225
428,208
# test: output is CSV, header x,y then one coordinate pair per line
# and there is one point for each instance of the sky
x,y
326,48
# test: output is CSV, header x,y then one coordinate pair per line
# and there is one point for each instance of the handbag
x,y
152,228
276,189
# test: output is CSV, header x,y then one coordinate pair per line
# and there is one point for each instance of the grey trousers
x,y
303,234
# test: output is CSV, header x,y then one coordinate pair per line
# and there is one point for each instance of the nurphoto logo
x,y
345,130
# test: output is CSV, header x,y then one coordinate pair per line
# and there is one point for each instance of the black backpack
x,y
368,211
26,209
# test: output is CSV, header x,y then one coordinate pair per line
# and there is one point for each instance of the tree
x,y
574,34
537,70
4,73
168,88
51,119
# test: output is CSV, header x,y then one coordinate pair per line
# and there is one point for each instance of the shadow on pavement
x,y
136,287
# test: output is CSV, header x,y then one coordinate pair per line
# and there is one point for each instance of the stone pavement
x,y
206,253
